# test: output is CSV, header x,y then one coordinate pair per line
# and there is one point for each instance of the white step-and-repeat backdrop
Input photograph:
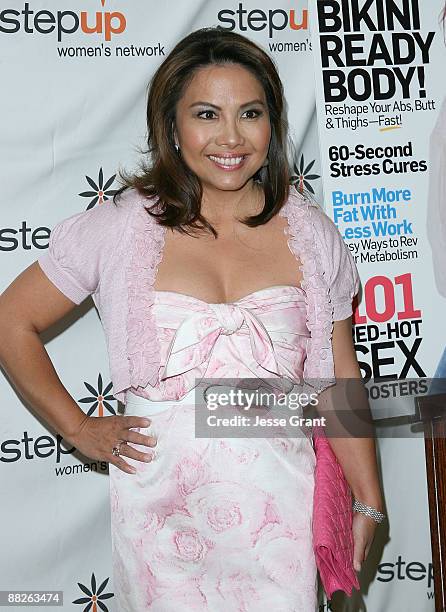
x,y
364,82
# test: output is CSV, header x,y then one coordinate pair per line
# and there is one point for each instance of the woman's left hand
x,y
363,528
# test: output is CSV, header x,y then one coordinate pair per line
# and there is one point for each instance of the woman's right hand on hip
x,y
98,435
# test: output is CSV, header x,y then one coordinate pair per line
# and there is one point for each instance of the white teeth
x,y
227,161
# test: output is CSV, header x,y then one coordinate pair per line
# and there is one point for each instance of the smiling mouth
x,y
228,162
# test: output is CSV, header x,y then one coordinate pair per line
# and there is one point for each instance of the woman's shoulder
x,y
85,245
338,265
314,215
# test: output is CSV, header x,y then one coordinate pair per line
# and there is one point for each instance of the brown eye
x,y
205,112
256,112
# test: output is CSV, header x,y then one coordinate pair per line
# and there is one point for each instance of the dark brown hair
x,y
177,189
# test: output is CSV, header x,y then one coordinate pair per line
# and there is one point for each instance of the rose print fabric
x,y
217,524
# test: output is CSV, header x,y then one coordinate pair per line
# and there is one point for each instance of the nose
x,y
230,134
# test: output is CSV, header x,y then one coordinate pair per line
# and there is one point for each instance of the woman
x,y
194,277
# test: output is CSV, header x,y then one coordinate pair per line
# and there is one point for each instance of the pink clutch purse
x,y
332,520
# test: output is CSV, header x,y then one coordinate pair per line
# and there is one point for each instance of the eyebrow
x,y
201,103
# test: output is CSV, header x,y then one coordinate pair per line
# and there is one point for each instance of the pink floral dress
x,y
221,524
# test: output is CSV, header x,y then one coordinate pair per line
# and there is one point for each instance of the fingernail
x,y
133,470
146,422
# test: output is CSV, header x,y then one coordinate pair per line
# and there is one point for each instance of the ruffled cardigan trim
x,y
146,252
304,243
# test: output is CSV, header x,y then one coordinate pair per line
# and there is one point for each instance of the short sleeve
x,y
339,267
78,248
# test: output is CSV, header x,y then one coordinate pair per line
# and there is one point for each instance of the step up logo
x,y
256,20
99,402
408,571
62,23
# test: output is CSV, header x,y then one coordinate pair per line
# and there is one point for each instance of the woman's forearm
x,y
357,457
28,366
351,433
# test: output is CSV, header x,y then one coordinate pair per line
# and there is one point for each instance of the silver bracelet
x,y
375,514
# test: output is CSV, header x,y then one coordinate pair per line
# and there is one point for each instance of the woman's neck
x,y
225,208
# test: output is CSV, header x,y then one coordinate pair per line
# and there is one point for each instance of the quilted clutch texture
x,y
332,520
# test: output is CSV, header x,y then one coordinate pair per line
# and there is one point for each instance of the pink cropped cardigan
x,y
112,252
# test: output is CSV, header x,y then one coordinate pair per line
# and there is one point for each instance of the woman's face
x,y
223,127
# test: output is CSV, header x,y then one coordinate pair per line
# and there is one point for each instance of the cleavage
x,y
218,274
